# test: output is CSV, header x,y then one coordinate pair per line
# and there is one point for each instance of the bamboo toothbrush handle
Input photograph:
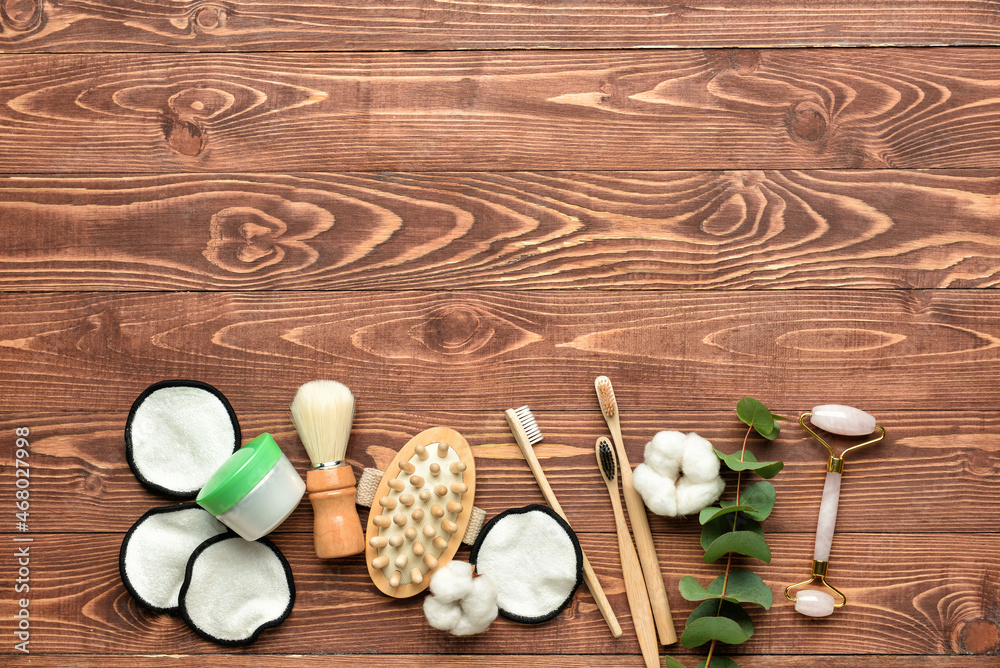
x,y
635,588
589,576
644,543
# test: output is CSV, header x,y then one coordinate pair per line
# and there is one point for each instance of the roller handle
x,y
827,516
337,528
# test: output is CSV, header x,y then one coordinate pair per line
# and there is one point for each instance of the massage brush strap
x,y
368,484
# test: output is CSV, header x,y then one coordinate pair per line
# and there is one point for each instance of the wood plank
x,y
494,350
927,597
460,661
535,230
79,479
789,108
74,25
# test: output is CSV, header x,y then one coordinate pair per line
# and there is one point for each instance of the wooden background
x,y
462,207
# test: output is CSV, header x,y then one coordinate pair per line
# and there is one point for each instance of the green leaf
x,y
747,543
712,530
744,587
716,608
750,463
692,590
720,662
708,514
756,415
706,629
759,497
674,663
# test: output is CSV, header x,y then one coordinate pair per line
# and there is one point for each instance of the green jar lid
x,y
239,474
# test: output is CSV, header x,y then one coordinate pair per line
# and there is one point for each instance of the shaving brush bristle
x,y
323,412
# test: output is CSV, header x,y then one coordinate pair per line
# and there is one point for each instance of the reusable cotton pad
x,y
177,434
234,589
534,560
156,550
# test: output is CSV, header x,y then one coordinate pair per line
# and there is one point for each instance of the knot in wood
x,y
455,329
21,15
807,121
244,239
210,17
980,636
183,136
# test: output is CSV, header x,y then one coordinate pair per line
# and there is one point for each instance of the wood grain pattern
x,y
471,350
500,661
535,230
790,108
74,25
923,601
79,473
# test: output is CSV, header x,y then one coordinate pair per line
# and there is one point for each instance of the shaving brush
x,y
323,411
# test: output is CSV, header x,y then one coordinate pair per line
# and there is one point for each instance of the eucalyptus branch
x,y
733,528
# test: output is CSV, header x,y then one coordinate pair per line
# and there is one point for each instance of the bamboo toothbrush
x,y
637,515
526,433
323,411
635,588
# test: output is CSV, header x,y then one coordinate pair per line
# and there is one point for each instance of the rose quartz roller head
x,y
843,421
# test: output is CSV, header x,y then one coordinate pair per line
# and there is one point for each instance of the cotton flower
x,y
680,474
460,603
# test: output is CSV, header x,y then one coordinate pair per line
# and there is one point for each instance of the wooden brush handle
x,y
336,526
644,543
635,588
589,576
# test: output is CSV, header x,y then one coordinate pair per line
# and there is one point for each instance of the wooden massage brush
x,y
421,511
843,421
637,516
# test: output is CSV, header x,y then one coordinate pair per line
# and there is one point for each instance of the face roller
x,y
844,421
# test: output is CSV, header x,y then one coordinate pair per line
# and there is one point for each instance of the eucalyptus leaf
x,y
750,463
708,514
720,662
706,629
743,587
717,608
747,543
759,498
714,529
773,434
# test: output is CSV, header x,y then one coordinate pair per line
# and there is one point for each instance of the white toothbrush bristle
x,y
528,424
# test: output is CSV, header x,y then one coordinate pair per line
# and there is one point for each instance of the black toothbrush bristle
x,y
607,459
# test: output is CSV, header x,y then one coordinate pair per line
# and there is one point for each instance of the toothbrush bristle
x,y
528,424
606,395
605,455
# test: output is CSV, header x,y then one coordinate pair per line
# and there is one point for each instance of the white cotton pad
x,y
534,560
234,589
178,433
155,552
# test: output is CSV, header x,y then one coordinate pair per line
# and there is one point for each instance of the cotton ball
x,y
480,608
453,581
460,603
700,463
693,496
664,453
657,491
442,615
680,475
